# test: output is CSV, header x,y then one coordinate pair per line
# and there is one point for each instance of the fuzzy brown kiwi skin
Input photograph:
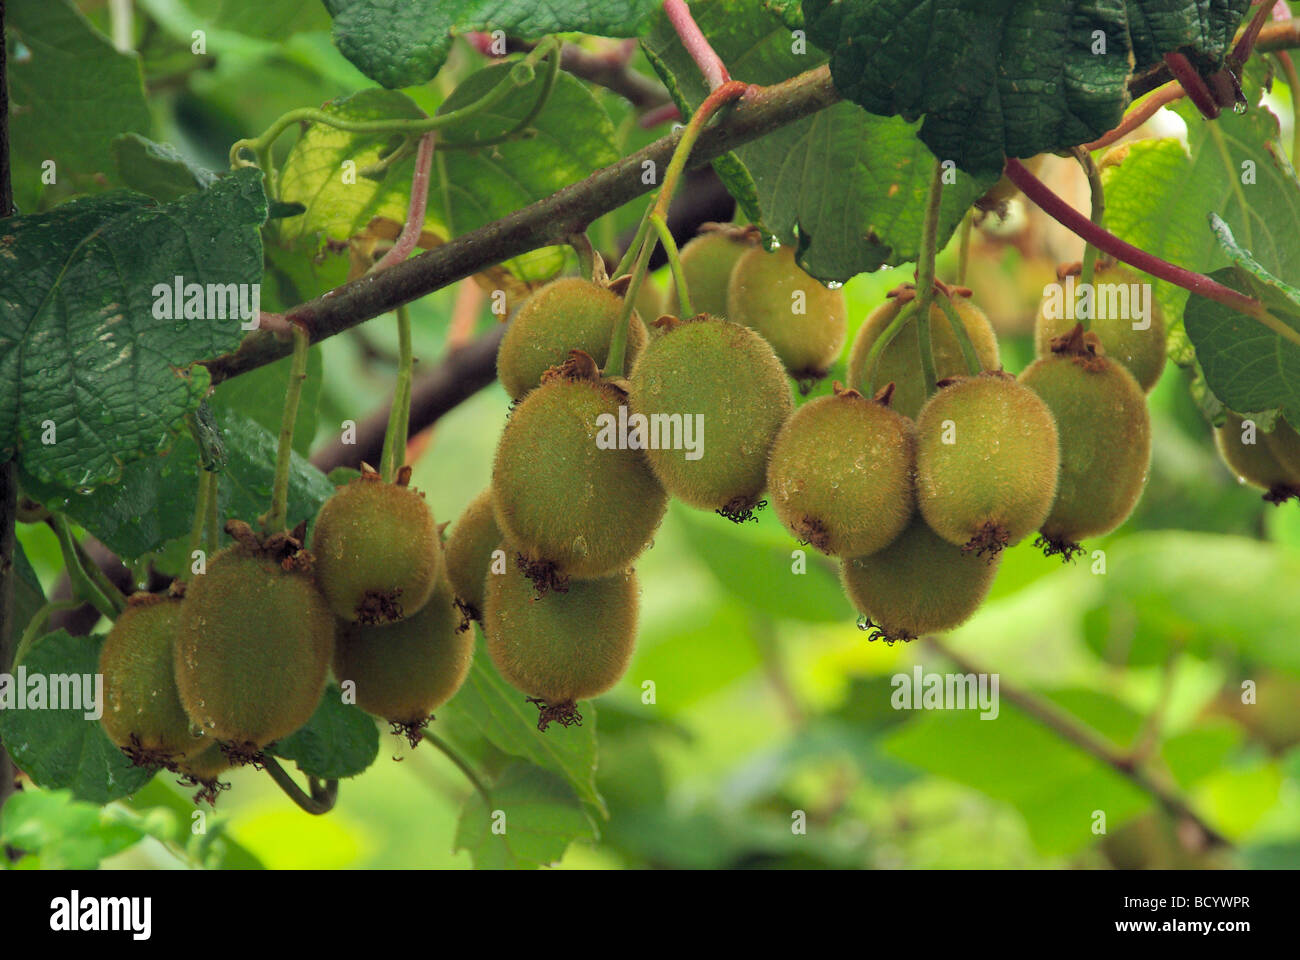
x,y
987,462
377,551
253,649
404,671
142,713
1258,463
919,584
728,374
760,296
569,508
900,363
840,474
562,648
567,314
469,553
1105,441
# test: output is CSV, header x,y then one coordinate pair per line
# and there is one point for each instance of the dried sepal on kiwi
x,y
204,772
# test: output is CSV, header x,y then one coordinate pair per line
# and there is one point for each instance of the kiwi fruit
x,y
1141,351
569,504
986,462
764,292
1105,439
377,550
707,261
918,584
649,306
840,474
1258,463
404,671
566,314
203,770
899,362
469,553
142,714
254,644
562,648
726,377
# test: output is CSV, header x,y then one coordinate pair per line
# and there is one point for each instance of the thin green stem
x,y
214,527
520,74
399,414
201,509
973,365
963,251
885,339
715,101
634,247
581,245
1098,218
84,584
925,276
674,264
37,625
277,517
447,750
548,86
320,800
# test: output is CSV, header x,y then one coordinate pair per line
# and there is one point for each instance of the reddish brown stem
x,y
1104,240
414,225
1246,42
710,64
1139,115
1197,89
662,114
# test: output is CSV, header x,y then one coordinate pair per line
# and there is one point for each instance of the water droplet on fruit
x,y
863,622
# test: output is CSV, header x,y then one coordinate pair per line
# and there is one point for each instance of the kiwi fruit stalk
x,y
377,550
899,362
142,714
404,671
840,475
987,462
570,504
804,320
725,377
562,648
566,314
1105,439
254,644
918,584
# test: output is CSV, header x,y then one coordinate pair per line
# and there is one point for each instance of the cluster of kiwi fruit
x,y
192,689
556,589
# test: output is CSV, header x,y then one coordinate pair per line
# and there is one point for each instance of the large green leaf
x,y
62,832
65,748
80,345
153,502
502,714
71,93
340,740
535,815
1010,78
847,187
1159,193
404,44
157,169
468,187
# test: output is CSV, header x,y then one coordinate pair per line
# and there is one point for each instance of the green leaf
x,y
70,94
468,187
847,187
535,815
80,346
153,502
1013,758
259,395
29,596
405,44
340,740
1158,194
756,565
252,18
502,715
1008,79
157,169
65,748
62,832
